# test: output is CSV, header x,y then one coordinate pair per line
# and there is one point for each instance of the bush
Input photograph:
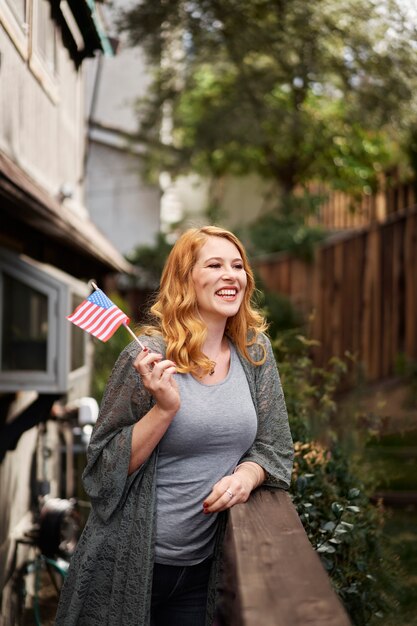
x,y
331,491
286,229
279,310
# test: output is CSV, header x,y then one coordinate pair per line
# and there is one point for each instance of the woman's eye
x,y
214,265
239,266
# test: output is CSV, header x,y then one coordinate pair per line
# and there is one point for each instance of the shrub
x,y
331,491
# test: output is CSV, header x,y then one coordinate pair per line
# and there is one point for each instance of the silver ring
x,y
229,493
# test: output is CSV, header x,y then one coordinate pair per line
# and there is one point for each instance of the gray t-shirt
x,y
213,428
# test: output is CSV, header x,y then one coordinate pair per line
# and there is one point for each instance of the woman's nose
x,y
229,273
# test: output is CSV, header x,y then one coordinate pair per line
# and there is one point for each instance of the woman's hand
x,y
157,376
235,488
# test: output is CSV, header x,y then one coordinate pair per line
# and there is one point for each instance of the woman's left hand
x,y
231,490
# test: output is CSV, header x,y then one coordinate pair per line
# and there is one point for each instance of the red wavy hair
x,y
175,312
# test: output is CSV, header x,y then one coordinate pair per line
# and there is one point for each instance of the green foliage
x,y
284,233
401,526
345,529
330,490
279,311
309,390
151,259
407,369
291,90
286,230
106,353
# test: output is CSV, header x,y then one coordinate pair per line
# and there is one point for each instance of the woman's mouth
x,y
227,294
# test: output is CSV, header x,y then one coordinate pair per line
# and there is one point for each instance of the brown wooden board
x,y
277,578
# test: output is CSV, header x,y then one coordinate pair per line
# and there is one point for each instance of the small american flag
x,y
99,316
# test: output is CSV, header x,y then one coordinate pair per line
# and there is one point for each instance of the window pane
x,y
46,41
19,9
77,340
25,327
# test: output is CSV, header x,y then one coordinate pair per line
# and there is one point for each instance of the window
x,y
25,327
14,18
46,35
43,60
18,8
39,349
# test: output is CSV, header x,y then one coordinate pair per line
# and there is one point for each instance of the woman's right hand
x,y
158,378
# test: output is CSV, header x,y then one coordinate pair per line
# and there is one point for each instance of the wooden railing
x,y
362,292
273,575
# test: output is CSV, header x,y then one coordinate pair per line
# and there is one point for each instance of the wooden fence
x,y
362,292
336,211
274,577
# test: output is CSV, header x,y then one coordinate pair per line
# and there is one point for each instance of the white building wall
x,y
41,114
240,199
120,201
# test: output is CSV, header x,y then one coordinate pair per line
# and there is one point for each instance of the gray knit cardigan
x,y
110,577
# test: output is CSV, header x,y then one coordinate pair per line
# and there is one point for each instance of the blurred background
x,y
293,124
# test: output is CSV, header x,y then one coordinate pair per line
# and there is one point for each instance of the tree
x,y
291,90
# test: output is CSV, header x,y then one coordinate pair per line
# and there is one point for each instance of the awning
x,y
27,210
83,30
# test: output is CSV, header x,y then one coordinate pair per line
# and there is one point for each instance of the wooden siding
x,y
42,118
362,292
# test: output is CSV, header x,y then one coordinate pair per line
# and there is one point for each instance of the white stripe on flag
x,y
88,315
117,317
111,330
86,305
105,316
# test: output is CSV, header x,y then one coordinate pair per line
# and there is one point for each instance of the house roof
x,y
34,222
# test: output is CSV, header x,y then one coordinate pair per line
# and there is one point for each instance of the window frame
x,y
47,78
18,33
58,288
37,376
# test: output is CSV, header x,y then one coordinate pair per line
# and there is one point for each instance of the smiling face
x,y
219,280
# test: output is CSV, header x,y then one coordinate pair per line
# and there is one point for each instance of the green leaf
x,y
347,525
353,509
353,493
326,548
337,509
328,563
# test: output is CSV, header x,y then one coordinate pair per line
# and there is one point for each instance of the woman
x,y
188,427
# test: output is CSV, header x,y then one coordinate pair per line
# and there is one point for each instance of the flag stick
x,y
129,330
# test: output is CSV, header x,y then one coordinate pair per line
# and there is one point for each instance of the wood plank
x,y
316,301
366,325
337,302
410,271
377,329
278,577
384,346
359,256
397,308
327,312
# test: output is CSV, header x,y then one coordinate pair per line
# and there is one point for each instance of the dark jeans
x,y
179,594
